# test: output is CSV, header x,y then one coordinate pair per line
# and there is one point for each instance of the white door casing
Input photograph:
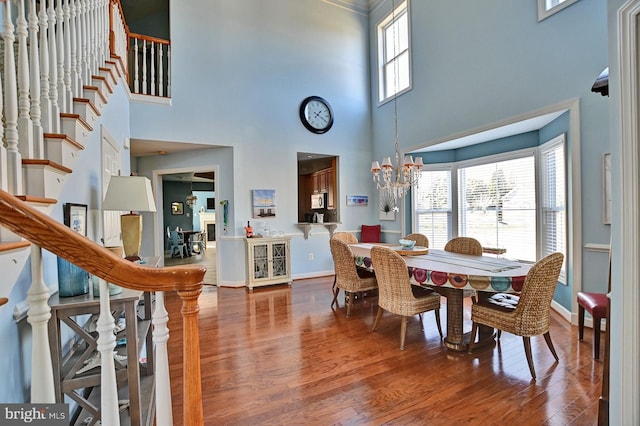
x,y
110,167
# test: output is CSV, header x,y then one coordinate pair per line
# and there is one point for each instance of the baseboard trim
x,y
233,284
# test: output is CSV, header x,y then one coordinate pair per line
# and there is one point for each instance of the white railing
x,y
52,51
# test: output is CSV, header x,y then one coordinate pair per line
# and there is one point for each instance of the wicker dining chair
x,y
530,315
420,239
347,237
347,277
465,245
396,294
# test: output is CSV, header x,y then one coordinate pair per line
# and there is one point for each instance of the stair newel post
x,y
14,159
44,68
34,75
68,92
192,398
109,414
164,414
42,387
25,126
53,69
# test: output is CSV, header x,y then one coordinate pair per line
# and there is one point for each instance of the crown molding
x,y
357,6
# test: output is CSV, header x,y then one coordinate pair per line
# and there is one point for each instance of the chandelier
x,y
397,177
191,199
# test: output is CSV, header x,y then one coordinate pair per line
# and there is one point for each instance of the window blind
x,y
433,206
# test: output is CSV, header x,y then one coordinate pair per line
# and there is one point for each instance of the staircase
x,y
61,60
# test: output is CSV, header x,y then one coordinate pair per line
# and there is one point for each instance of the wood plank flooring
x,y
282,356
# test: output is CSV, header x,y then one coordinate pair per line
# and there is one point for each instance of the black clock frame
x,y
303,117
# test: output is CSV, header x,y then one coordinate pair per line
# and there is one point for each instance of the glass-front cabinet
x,y
268,261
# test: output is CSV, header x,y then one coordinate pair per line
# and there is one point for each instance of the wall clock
x,y
316,114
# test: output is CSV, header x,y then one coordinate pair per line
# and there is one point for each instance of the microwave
x,y
319,201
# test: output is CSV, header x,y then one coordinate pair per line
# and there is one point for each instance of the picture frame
x,y
606,189
264,203
177,208
358,200
75,217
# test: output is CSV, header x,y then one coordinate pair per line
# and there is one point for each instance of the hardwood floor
x,y
281,355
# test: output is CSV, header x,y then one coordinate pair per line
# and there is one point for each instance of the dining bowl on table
x,y
407,244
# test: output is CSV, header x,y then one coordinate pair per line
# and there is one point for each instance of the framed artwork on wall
x,y
177,207
75,217
264,203
358,200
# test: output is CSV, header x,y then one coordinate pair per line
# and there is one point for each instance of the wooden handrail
x,y
41,230
150,38
3,300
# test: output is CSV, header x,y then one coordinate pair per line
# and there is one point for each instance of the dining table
x,y
451,273
187,234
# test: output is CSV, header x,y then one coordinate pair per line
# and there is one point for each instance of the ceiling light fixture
x,y
397,178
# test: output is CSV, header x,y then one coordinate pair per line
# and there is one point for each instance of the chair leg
x,y
547,338
596,338
403,331
350,304
472,338
437,314
421,323
527,351
499,334
378,315
335,297
580,322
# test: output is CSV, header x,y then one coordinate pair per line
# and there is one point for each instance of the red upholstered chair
x,y
371,234
596,305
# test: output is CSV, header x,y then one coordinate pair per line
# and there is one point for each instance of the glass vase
x,y
72,280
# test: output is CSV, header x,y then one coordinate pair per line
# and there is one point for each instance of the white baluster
x,y
44,68
144,67
136,79
60,30
25,126
66,66
152,63
82,39
168,70
164,415
53,70
94,37
160,70
14,159
3,155
73,36
34,74
106,345
42,388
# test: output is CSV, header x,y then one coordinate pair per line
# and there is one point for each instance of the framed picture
x,y
75,217
264,203
606,189
358,200
177,207
211,203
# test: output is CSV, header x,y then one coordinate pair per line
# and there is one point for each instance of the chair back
x,y
464,245
394,287
346,237
175,238
532,311
343,262
168,232
420,239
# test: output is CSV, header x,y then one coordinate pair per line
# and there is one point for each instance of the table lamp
x,y
133,194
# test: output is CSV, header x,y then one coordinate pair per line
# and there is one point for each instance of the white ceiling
x,y
511,129
144,147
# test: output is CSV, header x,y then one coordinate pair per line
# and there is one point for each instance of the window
x,y
553,207
432,207
515,201
497,202
394,74
547,8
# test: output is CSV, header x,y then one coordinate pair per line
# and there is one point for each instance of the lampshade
x,y
132,193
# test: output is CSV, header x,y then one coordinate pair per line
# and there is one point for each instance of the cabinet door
x,y
279,260
322,181
260,261
331,202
